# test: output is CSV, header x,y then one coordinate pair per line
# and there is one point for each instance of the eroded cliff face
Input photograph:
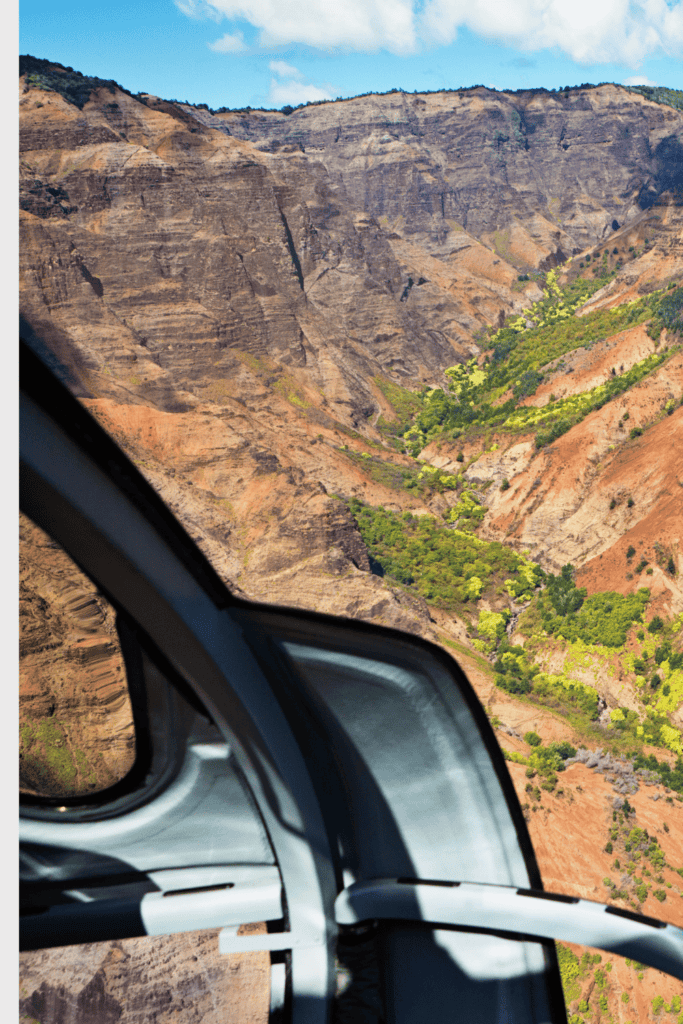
x,y
228,291
528,173
74,709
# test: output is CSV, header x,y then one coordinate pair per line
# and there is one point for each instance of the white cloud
x,y
638,80
366,25
199,9
292,93
284,70
589,31
229,44
288,87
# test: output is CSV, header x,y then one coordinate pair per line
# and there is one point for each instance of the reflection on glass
x,y
76,725
180,978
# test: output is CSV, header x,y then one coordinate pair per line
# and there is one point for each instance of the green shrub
x,y
662,653
567,698
405,404
563,748
668,312
533,739
527,384
492,624
555,430
512,684
546,762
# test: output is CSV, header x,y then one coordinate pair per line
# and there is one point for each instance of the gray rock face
x,y
618,771
487,161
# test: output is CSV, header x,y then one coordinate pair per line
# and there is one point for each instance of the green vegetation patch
x,y
405,404
573,971
660,94
668,776
546,761
660,666
50,764
668,313
555,330
47,763
449,567
561,416
291,391
72,85
566,696
516,673
601,619
383,471
521,354
570,972
418,478
589,630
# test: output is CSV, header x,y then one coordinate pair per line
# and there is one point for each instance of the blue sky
x,y
269,53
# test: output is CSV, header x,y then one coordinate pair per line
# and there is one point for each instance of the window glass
x,y
76,725
599,985
171,978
